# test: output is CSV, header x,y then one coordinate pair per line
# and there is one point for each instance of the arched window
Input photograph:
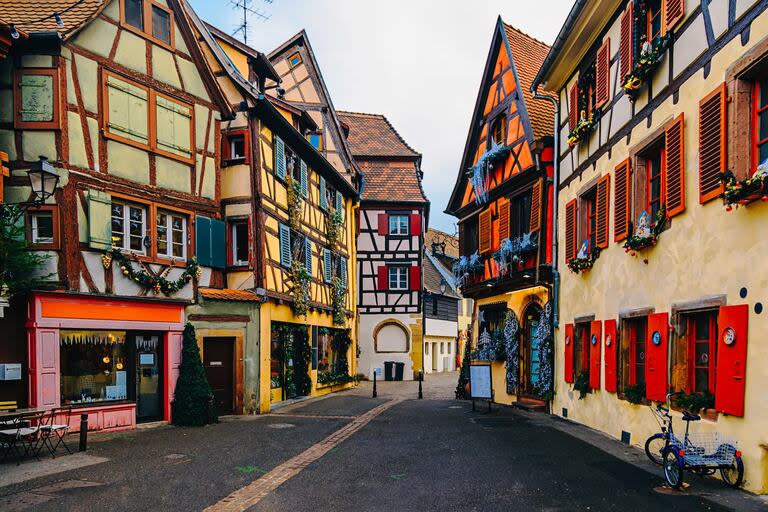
x,y
391,336
499,129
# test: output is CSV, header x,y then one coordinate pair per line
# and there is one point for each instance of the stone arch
x,y
391,336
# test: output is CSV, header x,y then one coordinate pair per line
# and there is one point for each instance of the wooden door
x,y
218,360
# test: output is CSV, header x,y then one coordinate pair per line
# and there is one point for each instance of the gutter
x,y
554,50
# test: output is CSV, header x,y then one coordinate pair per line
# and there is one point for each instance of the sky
x,y
418,62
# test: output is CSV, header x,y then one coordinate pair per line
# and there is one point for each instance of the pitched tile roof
x,y
451,242
37,15
374,135
433,278
392,182
528,54
228,294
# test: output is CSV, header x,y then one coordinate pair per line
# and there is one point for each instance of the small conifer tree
x,y
461,387
192,404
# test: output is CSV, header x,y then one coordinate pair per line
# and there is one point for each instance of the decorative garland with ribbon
x,y
747,190
466,267
157,283
650,57
635,243
578,265
543,342
512,350
479,174
512,251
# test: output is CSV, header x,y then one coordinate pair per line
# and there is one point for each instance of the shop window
x,y
399,225
695,353
171,235
43,227
235,148
316,139
294,60
129,227
491,317
94,366
654,19
632,353
499,130
398,278
240,246
148,19
325,357
760,126
36,99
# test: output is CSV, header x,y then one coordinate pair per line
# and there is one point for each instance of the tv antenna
x,y
247,11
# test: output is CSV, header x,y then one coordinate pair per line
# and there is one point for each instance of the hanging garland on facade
x,y
512,251
651,54
293,191
467,267
480,173
585,124
582,129
300,289
512,350
338,296
157,283
578,265
636,242
545,347
490,346
747,190
333,224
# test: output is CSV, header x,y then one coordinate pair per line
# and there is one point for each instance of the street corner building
x,y
393,216
503,202
662,163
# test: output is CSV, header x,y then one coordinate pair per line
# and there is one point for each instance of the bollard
x,y
83,432
374,383
421,378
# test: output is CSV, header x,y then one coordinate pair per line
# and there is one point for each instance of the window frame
x,y
30,216
499,120
288,59
662,22
233,239
756,110
692,342
169,230
146,224
650,177
398,269
391,217
18,123
226,148
321,142
147,32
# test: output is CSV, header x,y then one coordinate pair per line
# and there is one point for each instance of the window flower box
x,y
650,57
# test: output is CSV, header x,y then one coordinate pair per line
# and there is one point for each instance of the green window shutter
x,y
99,220
218,244
174,124
37,101
327,265
339,203
279,158
203,240
304,178
343,272
128,110
308,254
285,246
323,198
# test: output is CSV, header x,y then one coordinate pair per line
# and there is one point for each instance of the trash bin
x,y
399,368
388,373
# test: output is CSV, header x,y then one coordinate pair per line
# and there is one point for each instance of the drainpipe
x,y
556,182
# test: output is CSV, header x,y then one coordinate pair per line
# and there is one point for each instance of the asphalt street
x,y
431,454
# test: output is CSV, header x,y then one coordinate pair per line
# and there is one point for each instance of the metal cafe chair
x,y
52,430
26,434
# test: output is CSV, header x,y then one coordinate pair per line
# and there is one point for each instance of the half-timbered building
x,y
393,215
502,199
117,100
662,161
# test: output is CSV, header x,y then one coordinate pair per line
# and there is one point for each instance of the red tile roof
x,y
392,182
228,294
528,54
37,15
374,135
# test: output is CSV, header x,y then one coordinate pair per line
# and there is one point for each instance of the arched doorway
x,y
529,350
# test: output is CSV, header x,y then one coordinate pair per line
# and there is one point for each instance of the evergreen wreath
x,y
333,224
192,404
579,265
157,283
635,243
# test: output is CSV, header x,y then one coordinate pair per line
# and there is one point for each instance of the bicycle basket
x,y
708,449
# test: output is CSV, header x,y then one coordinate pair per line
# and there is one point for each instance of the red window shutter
x,y
568,344
570,230
731,359
674,182
602,74
603,207
674,12
415,278
415,224
383,278
712,132
627,24
247,146
485,231
610,355
621,200
595,363
656,357
536,207
383,224
573,106
503,218
224,148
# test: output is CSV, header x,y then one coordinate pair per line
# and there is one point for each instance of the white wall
x,y
370,359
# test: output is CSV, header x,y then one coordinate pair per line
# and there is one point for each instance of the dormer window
x,y
499,130
294,60
149,19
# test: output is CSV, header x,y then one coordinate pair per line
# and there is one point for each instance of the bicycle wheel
x,y
673,468
654,446
733,475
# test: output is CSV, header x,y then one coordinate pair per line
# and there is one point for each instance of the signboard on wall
x,y
480,381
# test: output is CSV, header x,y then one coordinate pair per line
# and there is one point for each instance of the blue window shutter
x,y
285,245
323,198
203,240
279,158
339,203
218,244
343,272
314,347
308,254
304,178
327,265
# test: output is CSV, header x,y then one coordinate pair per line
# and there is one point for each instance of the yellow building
x,y
659,175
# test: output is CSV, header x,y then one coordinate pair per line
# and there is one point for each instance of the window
x,y
468,236
499,130
171,235
590,209
330,196
520,215
148,19
654,160
294,60
240,248
655,19
43,227
94,366
632,353
760,102
581,349
129,227
695,352
316,139
398,278
36,98
325,357
398,225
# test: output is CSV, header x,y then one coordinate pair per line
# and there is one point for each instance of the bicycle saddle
x,y
688,416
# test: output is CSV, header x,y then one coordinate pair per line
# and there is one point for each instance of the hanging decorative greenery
x,y
747,190
480,173
300,289
543,342
467,267
511,253
157,283
333,222
695,402
651,54
338,296
302,355
340,344
490,347
512,350
582,384
647,236
635,394
582,129
578,265
294,202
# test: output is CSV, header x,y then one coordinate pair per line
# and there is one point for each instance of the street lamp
x,y
43,179
443,286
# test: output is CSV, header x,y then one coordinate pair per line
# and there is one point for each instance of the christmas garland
x,y
512,350
466,267
635,243
744,191
490,347
157,283
511,251
338,296
583,128
578,265
546,353
293,191
333,224
300,289
479,173
650,56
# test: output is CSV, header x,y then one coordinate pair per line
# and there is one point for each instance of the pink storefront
x,y
116,359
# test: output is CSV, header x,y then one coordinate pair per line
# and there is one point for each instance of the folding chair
x,y
26,433
9,439
55,429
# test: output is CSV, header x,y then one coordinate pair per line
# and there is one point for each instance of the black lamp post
x,y
43,179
